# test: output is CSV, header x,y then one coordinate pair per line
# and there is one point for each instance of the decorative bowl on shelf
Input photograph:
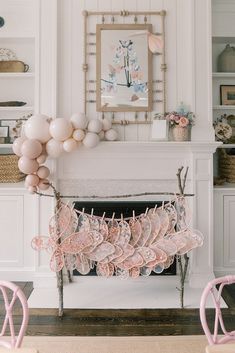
x,y
12,104
13,66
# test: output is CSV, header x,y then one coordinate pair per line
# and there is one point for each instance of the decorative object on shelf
x,y
159,129
46,137
13,66
231,122
227,164
223,130
7,54
15,126
12,104
226,59
9,171
2,21
4,134
227,94
127,247
180,123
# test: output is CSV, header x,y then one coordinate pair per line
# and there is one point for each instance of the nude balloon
x,y
69,145
42,158
44,184
37,127
32,180
17,144
91,140
95,125
27,166
60,129
107,124
111,135
78,135
54,148
31,148
79,121
43,172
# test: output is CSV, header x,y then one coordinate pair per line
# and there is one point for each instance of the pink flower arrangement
x,y
179,119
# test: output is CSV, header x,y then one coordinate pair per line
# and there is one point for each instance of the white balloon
x,y
111,135
79,121
95,125
17,144
78,135
54,148
91,140
60,129
37,128
107,124
69,145
101,135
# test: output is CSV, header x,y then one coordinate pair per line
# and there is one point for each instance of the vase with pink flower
x,y
180,123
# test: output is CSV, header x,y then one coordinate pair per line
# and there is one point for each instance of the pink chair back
x,y
10,293
210,289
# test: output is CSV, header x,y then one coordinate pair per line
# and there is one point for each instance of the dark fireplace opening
x,y
124,208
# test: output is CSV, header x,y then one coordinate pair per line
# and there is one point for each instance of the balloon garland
x,y
46,137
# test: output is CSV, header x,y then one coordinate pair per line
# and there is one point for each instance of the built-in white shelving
x,y
24,108
224,107
17,74
223,74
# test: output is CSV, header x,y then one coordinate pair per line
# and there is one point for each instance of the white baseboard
x,y
17,274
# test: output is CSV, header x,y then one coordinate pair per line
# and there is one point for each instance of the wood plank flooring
x,y
139,322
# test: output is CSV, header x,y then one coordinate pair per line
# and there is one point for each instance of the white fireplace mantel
x,y
130,167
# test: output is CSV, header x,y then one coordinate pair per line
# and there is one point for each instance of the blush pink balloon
x,y
17,144
27,166
43,172
44,184
32,180
31,148
32,189
37,127
42,158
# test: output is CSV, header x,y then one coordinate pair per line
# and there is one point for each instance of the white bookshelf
x,y
23,39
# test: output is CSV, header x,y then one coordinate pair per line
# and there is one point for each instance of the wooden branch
x,y
115,196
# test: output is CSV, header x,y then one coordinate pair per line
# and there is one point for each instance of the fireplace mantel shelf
x,y
155,146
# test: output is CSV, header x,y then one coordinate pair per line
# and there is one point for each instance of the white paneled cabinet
x,y
224,230
30,31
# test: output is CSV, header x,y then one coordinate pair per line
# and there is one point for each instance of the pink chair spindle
x,y
210,289
9,305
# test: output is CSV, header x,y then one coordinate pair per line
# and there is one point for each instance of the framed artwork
x,y
123,68
227,94
159,130
14,128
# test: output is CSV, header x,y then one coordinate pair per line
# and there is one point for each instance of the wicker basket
x,y
9,171
226,166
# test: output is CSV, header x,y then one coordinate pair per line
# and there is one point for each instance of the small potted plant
x,y
180,123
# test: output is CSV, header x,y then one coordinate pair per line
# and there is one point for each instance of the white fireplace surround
x,y
122,168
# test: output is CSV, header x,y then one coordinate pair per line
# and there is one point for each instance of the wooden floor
x,y
103,322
